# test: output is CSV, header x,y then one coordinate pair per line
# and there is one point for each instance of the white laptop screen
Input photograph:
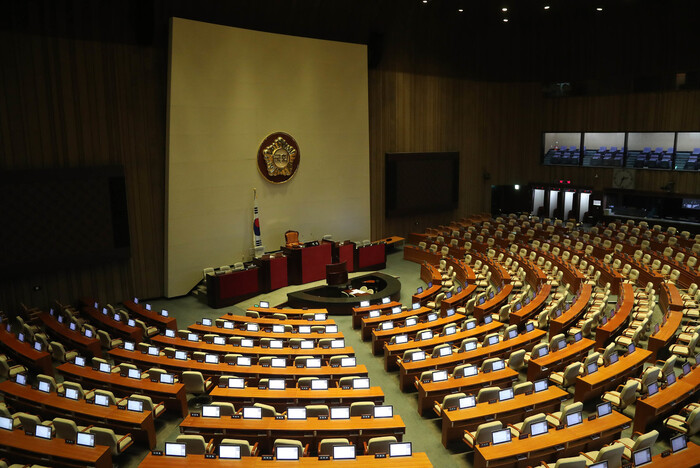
x,y
72,394
247,343
278,329
134,374
192,337
506,394
276,344
331,328
252,327
170,333
243,361
374,314
303,329
167,378
264,304
278,362
44,386
604,409
319,317
206,322
129,346
439,376
338,343
538,428
229,325
364,304
678,443
386,300
446,351
5,423
21,379
401,339
175,450
219,340
182,355
43,432
314,363
101,400
275,384
388,325
211,358
105,367
642,457
153,351
541,385
470,370
418,356
498,365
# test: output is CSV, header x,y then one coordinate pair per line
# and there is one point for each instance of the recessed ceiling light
x,y
599,8
546,7
505,20
461,10
504,9
425,1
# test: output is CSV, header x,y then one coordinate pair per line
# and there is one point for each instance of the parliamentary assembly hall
x,y
377,233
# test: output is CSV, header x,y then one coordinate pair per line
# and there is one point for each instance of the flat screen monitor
x,y
396,310
206,322
252,327
21,379
505,394
426,335
400,449
278,329
117,317
336,344
296,413
670,378
470,345
229,326
543,352
320,317
470,371
432,317
230,452
105,367
182,355
415,306
538,428
642,457
512,334
411,321
419,290
148,306
173,449
686,368
604,409
492,340
247,343
578,336
37,346
286,452
446,351
374,313
5,423
439,376
603,464
401,339
131,322
304,329
418,356
388,325
129,346
134,374
471,324
252,412
167,378
211,411
101,400
591,368
319,384
313,363
386,300
340,412
43,432
614,358
20,337
134,405
44,386
244,361
219,340
276,384
448,295
498,365
72,394
211,358
364,304
500,437
307,344
679,443
348,362
383,411
236,382
630,348
518,306
541,385
79,361
278,362
561,345
468,401
192,337
652,388
529,327
73,327
276,344
153,351
343,452
450,312
360,383
572,419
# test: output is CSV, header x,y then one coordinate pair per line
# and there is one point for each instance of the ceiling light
x,y
505,20
461,10
599,8
546,7
425,1
504,9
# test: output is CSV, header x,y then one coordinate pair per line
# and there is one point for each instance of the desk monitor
x,y
614,358
320,317
304,329
426,335
604,409
386,300
247,343
538,428
307,344
470,371
432,317
134,374
219,340
339,343
505,394
360,383
630,348
313,363
400,449
652,388
578,336
211,358
229,325
396,310
364,304
72,326
418,356
679,443
20,337
411,321
278,362
296,413
319,384
498,365
561,345
5,423
231,452
430,285
451,330
134,405
518,306
164,313
670,378
276,344
44,386
400,339
167,378
331,328
541,385
117,317
446,351
686,368
286,452
383,411
439,375
340,412
43,432
79,361
105,367
388,325
275,384
129,345
591,368
512,334
252,327
543,352
603,464
348,362
211,411
529,326
192,337
492,340
415,306
470,345
101,400
500,437
471,324
72,394
131,322
173,449
697,359
419,290
449,312
37,346
374,313
448,295
206,322
252,412
153,351
236,382
244,361
468,401
343,452
642,457
181,355
264,304
573,419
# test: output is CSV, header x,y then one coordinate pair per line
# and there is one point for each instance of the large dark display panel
x,y
56,219
419,183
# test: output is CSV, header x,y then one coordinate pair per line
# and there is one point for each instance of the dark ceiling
x,y
640,40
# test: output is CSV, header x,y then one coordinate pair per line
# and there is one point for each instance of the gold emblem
x,y
279,158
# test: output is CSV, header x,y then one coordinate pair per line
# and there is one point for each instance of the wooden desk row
x,y
140,425
55,452
416,460
267,321
290,313
251,373
369,324
533,307
258,335
666,333
577,308
150,316
380,337
359,313
492,305
608,377
558,360
24,353
615,324
87,346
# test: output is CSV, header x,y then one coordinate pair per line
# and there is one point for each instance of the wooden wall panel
x,y
75,103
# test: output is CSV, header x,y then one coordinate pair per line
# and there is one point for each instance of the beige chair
x,y
225,408
9,371
524,427
516,360
195,444
566,378
361,408
686,350
325,447
117,443
559,417
487,393
59,353
67,429
623,396
449,401
247,450
30,421
482,433
688,425
610,453
570,462
194,383
82,394
148,404
267,411
107,342
303,450
642,441
314,411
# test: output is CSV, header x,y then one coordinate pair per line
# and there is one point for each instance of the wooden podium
x,y
307,264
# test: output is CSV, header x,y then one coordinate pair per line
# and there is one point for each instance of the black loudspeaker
x,y
375,49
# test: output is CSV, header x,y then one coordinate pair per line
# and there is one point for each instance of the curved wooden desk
x,y
16,444
417,460
88,346
608,377
667,400
359,313
24,354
